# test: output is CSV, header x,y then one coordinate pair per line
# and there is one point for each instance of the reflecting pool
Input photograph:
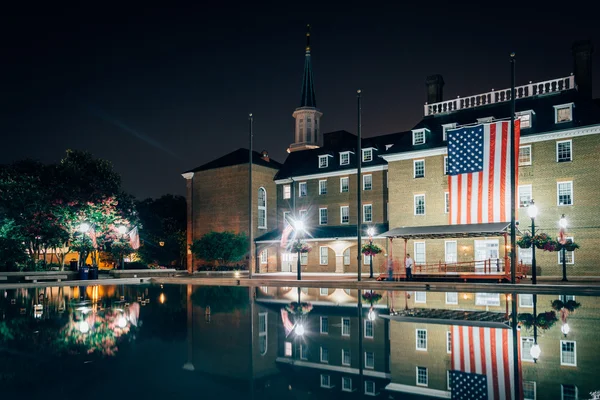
x,y
184,341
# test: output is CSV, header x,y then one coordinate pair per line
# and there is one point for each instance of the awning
x,y
449,231
486,319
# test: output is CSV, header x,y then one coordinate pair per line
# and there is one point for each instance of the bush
x,y
135,265
237,267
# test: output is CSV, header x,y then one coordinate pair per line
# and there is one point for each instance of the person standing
x,y
409,265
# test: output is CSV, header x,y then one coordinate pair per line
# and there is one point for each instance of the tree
x,y
223,247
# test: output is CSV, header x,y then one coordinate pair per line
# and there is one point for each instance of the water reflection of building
x,y
421,351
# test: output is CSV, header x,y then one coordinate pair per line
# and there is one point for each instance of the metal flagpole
x,y
513,180
359,186
515,342
250,121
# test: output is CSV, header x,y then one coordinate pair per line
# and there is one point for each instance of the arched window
x,y
262,208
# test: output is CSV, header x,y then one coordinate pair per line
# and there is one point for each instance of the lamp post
x,y
563,226
532,211
371,232
535,350
299,227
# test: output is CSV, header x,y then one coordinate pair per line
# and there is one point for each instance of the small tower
x,y
308,117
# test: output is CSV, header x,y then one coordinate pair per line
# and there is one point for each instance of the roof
x,y
586,112
452,317
326,232
448,231
237,157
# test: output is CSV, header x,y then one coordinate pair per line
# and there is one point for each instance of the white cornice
x,y
188,175
333,173
397,387
322,239
415,154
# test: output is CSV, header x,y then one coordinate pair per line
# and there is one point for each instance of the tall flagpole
x,y
250,121
359,186
513,179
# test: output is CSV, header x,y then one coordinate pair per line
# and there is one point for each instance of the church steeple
x,y
308,117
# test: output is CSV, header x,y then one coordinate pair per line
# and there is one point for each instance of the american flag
x,y
287,324
134,238
482,363
479,172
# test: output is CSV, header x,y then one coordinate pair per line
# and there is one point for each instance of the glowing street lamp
x,y
299,330
532,211
371,315
84,227
84,327
122,322
122,229
535,352
565,329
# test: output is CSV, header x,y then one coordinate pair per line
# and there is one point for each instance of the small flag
x,y
286,231
92,233
287,324
134,238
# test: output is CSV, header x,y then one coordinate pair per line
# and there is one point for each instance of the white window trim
x,y
524,305
345,152
342,185
321,255
321,356
287,346
570,141
446,253
415,131
322,180
372,329
530,156
364,177
342,213
528,358
323,292
415,204
369,393
367,352
417,339
534,391
557,107
349,327
265,333
364,213
366,259
424,253
445,128
415,168
326,158
303,348
484,120
446,202
448,339
452,303
289,187
369,150
528,112
263,208
572,254
346,389
445,164
344,363
320,220
264,259
321,326
417,376
557,194
574,353
482,299
530,194
300,191
562,391
328,386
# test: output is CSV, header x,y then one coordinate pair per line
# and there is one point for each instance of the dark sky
x,y
159,90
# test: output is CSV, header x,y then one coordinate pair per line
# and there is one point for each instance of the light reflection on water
x,y
182,340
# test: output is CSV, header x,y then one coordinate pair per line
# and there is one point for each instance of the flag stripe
x,y
503,164
491,155
469,194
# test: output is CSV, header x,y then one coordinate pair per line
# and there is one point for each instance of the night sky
x,y
158,91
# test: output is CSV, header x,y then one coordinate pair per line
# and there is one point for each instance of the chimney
x,y
582,66
265,155
435,88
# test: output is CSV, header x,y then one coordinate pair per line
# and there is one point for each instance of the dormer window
x,y
526,118
419,136
345,158
563,113
484,120
446,128
367,155
323,161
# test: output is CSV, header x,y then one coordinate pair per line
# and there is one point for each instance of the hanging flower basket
x,y
544,242
543,321
299,308
301,247
371,297
370,249
525,242
570,305
568,246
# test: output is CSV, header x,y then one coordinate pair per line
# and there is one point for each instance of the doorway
x,y
488,249
288,262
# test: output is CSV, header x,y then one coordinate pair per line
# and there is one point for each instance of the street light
x,y
122,229
371,232
371,315
299,228
563,225
84,227
299,329
532,211
565,329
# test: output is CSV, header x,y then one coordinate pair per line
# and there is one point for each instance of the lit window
x,y
568,353
529,390
325,381
262,208
323,255
524,155
287,191
419,204
346,358
487,299
302,190
446,202
345,158
367,213
303,258
344,185
322,216
366,259
324,291
563,151
525,255
262,333
345,326
451,297
448,342
451,254
569,255
323,187
324,325
368,329
484,120
323,161
419,256
418,136
525,300
564,191
347,257
324,355
370,388
445,165
526,345
367,182
264,256
445,129
525,118
524,196
346,384
367,155
288,349
369,359
422,378
569,392
422,339
563,113
419,168
345,214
